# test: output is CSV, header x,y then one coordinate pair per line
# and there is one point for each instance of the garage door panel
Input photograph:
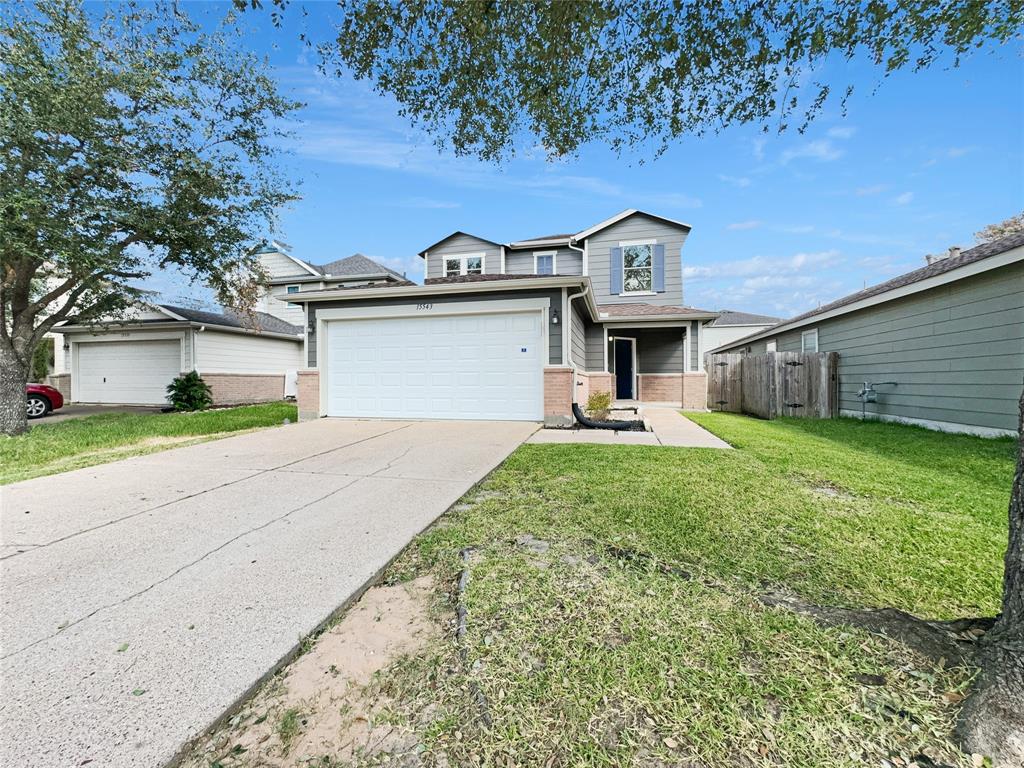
x,y
132,372
472,367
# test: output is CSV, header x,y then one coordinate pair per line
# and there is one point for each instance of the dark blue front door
x,y
623,369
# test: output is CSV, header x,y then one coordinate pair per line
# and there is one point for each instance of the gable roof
x,y
625,215
730,317
264,322
356,264
457,232
909,282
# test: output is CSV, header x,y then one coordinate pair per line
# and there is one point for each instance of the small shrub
x,y
598,405
189,393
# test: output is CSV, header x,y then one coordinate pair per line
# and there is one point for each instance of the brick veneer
x,y
62,383
590,383
688,389
233,388
558,383
308,394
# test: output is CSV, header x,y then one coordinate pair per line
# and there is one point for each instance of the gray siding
x,y
637,227
957,351
660,351
554,331
595,347
567,261
578,336
695,330
459,245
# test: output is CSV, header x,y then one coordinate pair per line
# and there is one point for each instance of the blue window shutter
x,y
616,272
659,268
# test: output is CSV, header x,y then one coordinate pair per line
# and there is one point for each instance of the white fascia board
x,y
632,320
682,323
301,263
968,270
528,244
625,215
124,326
436,289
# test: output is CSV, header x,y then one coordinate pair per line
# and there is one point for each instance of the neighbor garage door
x,y
135,372
454,367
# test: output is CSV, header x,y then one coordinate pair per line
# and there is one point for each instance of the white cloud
x,y
903,199
873,189
821,150
841,132
763,266
737,181
751,224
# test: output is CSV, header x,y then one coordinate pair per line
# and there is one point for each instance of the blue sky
x,y
780,223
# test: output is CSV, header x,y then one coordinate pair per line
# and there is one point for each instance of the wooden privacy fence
x,y
802,384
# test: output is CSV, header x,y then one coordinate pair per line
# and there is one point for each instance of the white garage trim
x,y
426,311
78,345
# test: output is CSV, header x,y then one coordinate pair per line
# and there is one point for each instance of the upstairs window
x,y
292,289
771,346
544,263
809,341
637,274
472,264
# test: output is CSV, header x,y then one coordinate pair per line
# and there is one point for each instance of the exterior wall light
x,y
554,317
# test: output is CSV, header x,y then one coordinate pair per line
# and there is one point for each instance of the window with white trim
x,y
471,264
292,289
637,270
771,346
809,341
544,262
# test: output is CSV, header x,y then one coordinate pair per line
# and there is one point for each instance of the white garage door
x,y
135,372
454,367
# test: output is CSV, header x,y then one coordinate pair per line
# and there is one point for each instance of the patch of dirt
x,y
321,709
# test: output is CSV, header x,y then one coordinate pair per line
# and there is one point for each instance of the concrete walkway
x,y
142,598
668,427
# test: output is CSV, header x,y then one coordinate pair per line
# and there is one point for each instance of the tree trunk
x,y
992,719
13,377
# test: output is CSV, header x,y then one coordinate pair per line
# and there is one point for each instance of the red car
x,y
42,399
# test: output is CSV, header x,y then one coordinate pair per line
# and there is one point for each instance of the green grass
x,y
49,448
586,659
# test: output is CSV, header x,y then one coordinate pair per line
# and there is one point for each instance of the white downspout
x,y
568,353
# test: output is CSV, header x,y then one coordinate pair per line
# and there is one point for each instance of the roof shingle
x,y
264,322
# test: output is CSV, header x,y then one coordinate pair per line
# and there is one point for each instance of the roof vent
x,y
931,258
954,251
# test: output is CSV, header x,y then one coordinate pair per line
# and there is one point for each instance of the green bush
x,y
42,361
598,404
189,393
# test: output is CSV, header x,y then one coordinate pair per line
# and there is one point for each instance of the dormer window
x,y
637,272
544,262
470,264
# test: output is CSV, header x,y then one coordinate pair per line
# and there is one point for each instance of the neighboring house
x,y
243,360
515,330
288,275
730,326
950,335
132,361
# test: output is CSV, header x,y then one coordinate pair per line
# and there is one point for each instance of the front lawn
x,y
49,448
612,615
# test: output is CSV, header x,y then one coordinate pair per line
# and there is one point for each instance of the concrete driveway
x,y
142,598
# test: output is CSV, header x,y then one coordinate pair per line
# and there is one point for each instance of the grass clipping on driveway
x,y
50,448
573,653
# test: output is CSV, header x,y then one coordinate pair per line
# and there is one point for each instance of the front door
x,y
624,369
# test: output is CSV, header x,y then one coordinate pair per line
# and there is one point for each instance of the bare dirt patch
x,y
322,708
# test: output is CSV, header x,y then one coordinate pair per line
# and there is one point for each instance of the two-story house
x,y
516,330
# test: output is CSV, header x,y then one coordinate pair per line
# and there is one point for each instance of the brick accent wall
x,y
62,383
688,389
558,383
308,394
234,388
590,383
695,391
